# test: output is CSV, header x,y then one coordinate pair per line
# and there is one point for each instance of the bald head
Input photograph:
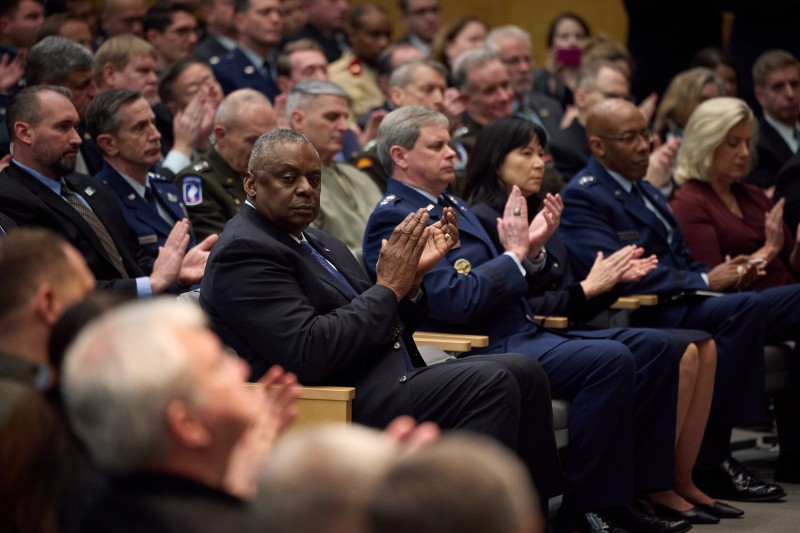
x,y
619,138
242,117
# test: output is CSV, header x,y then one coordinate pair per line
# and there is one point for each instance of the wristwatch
x,y
540,257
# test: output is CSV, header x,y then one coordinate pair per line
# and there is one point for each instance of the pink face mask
x,y
569,57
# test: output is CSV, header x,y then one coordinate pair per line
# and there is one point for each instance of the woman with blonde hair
x,y
686,91
722,217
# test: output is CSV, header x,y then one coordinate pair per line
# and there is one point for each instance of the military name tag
x,y
628,235
148,239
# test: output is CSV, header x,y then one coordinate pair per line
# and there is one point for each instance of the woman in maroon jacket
x,y
719,215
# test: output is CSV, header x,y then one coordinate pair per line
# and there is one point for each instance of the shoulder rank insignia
x,y
172,197
586,179
387,199
462,266
213,60
463,130
201,166
364,162
249,69
156,177
192,187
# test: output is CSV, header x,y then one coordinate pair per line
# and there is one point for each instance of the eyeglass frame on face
x,y
631,137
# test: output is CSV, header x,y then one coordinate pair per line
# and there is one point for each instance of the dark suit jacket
x,y
570,149
274,304
150,228
788,186
600,215
208,47
772,153
234,71
547,109
6,224
161,503
29,203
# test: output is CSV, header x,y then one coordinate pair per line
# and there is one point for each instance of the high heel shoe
x,y
719,509
695,515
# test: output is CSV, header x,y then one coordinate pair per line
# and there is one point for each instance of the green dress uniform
x,y
212,192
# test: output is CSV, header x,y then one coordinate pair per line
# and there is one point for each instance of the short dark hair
x,y
24,107
493,143
551,31
9,7
240,6
26,256
166,85
160,15
354,20
266,144
102,115
53,59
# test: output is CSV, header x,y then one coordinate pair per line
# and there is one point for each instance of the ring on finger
x,y
517,211
741,269
447,236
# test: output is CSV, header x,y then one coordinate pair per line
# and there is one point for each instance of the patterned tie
x,y
98,227
327,266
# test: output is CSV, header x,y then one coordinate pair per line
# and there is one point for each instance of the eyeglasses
x,y
630,137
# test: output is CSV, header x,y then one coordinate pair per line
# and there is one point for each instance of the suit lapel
x,y
133,202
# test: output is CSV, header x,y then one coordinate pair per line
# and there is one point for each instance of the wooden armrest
x,y
627,302
554,322
443,342
323,404
476,341
646,300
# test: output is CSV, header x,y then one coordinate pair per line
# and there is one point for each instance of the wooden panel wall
x,y
606,17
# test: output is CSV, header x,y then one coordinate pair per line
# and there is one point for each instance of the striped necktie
x,y
97,226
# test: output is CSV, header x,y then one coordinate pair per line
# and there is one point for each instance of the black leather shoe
x,y
695,515
641,520
732,481
719,509
584,523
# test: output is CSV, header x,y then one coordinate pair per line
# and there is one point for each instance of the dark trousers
x,y
505,396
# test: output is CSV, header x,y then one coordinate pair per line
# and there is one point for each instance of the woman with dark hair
x,y
507,160
723,65
566,38
467,33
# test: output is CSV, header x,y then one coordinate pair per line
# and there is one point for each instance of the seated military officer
x,y
212,184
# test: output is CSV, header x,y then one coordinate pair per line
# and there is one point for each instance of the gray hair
x,y
403,75
120,376
25,107
237,103
402,127
305,92
102,114
469,61
506,32
706,130
53,59
264,147
332,469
